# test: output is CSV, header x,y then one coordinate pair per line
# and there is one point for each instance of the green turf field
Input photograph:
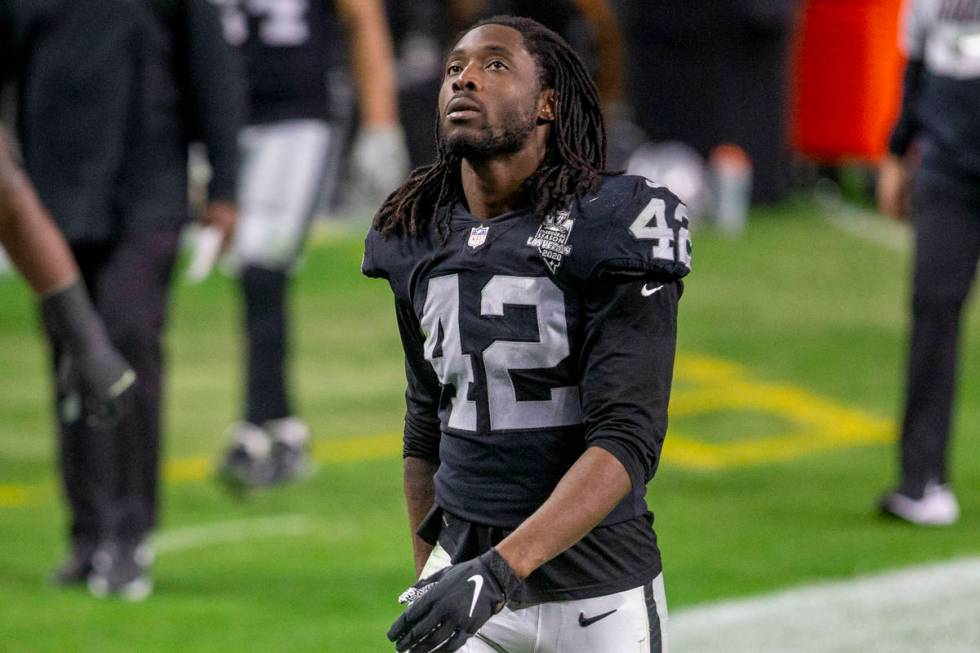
x,y
788,384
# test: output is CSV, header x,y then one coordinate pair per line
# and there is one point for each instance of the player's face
x,y
491,100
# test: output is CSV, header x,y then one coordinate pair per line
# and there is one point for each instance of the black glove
x,y
451,605
100,379
94,379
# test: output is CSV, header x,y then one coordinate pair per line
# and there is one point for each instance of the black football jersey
x,y
288,48
528,339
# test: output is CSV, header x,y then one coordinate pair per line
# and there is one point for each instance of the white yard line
x,y
927,609
227,532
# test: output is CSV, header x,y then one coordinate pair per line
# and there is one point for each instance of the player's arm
x,y
95,369
372,59
28,234
584,496
379,155
628,362
422,433
216,81
894,171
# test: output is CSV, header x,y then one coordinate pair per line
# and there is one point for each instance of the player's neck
x,y
495,186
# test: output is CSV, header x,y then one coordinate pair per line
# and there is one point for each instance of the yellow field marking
x,y
821,424
16,496
370,447
358,449
706,385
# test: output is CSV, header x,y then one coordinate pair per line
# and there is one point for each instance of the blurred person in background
x,y
422,29
109,94
288,47
931,177
95,374
709,73
589,26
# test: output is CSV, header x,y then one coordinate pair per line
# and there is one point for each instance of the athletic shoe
x,y
122,569
937,507
76,567
247,462
290,449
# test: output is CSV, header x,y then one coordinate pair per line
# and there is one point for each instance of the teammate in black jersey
x,y
289,152
536,297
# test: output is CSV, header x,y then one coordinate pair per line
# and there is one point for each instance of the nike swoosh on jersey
x,y
646,292
477,581
584,621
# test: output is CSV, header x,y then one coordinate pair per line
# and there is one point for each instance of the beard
x,y
485,143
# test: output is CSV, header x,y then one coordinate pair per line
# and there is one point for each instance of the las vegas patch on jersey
x,y
551,239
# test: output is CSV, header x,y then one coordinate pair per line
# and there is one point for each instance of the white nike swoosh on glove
x,y
477,581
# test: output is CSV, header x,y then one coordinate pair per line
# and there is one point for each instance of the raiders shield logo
x,y
478,236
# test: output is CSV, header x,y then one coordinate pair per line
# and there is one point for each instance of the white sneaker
x,y
291,431
247,461
290,449
937,507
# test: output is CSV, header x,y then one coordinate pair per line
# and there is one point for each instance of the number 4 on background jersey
x,y
283,23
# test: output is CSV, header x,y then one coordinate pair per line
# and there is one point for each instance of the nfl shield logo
x,y
478,236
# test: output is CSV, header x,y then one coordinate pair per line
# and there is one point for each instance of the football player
x,y
98,377
536,297
931,177
109,95
289,158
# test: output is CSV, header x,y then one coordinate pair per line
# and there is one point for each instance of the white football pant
x,y
633,621
282,173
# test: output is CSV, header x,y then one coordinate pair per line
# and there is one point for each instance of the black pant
x,y
267,328
947,245
110,476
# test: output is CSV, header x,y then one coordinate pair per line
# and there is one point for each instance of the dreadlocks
x,y
576,150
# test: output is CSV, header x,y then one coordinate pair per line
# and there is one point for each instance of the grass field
x,y
788,385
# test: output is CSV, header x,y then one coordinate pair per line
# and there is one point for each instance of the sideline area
x,y
931,608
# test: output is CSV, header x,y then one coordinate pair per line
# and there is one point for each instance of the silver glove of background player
x,y
379,164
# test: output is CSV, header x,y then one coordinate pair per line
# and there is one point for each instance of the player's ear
x,y
546,106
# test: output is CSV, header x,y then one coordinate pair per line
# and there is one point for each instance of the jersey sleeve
x,y
632,229
217,100
372,265
627,366
916,24
389,257
422,431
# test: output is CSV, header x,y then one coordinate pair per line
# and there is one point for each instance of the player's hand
x,y
93,379
379,158
893,187
223,216
97,385
453,604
